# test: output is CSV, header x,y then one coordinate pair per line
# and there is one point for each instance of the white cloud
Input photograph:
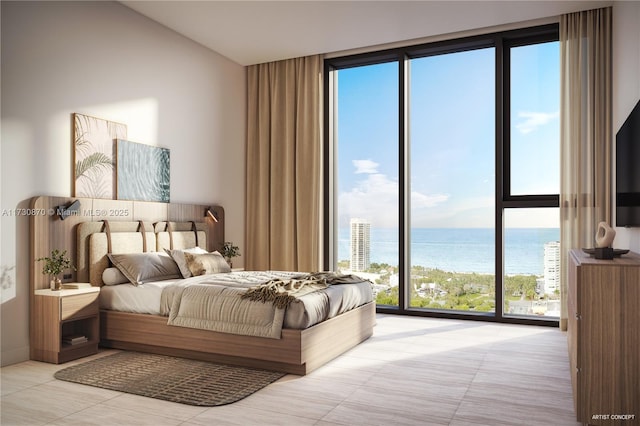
x,y
455,212
533,120
419,200
375,198
365,166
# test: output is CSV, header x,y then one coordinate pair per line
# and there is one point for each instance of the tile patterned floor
x,y
413,371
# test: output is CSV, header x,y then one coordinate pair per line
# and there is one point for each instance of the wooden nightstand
x,y
61,317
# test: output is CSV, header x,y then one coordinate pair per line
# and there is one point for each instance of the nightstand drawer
x,y
79,305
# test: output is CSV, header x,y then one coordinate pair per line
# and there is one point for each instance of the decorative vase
x,y
55,284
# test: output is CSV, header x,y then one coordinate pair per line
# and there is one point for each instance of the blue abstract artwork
x,y
143,172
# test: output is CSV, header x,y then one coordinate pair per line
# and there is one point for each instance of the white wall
x,y
105,60
626,86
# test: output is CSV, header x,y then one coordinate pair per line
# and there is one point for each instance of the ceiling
x,y
251,32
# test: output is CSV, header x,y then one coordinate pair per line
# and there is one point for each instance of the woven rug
x,y
169,378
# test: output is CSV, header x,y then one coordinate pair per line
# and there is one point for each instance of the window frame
x,y
501,42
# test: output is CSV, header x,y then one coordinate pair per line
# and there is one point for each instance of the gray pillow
x,y
205,264
178,257
144,267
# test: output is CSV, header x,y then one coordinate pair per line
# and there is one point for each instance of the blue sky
x,y
452,133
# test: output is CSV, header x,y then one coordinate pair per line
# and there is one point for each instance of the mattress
x,y
305,312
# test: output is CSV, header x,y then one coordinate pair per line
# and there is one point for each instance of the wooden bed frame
x,y
296,352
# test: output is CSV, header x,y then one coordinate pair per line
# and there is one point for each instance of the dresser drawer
x,y
78,306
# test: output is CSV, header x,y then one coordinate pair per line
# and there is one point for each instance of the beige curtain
x,y
585,127
283,165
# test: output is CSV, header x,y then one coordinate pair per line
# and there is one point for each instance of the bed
x,y
315,327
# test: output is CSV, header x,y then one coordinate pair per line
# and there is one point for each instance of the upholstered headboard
x,y
162,225
100,238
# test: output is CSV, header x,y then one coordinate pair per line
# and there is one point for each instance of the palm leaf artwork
x,y
92,170
93,162
94,140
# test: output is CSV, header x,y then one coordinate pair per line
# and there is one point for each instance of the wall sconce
x,y
212,214
65,211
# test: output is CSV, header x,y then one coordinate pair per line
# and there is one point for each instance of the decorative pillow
x,y
113,276
178,257
205,264
144,267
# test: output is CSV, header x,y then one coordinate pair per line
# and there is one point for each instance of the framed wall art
x,y
143,172
94,156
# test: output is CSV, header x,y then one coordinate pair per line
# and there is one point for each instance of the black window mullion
x,y
328,238
502,181
404,223
505,97
529,201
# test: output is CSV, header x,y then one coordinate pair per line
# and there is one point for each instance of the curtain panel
x,y
585,133
283,163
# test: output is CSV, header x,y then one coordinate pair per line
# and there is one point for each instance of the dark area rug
x,y
169,378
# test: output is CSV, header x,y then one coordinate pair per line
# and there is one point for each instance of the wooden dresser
x,y
604,338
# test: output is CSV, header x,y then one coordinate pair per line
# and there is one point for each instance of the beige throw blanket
x,y
219,308
216,307
282,292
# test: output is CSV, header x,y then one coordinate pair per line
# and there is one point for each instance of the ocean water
x,y
460,249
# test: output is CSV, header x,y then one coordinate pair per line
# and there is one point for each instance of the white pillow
x,y
113,276
178,257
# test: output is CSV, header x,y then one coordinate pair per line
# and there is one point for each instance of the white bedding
x,y
303,313
140,299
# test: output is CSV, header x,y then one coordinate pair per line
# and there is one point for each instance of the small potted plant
x,y
54,265
229,251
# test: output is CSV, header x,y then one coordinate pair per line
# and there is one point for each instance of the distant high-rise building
x,y
551,267
360,240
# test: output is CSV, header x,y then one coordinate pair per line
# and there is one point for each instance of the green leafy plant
x,y
56,263
229,251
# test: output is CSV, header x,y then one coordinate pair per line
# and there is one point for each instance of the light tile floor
x,y
413,371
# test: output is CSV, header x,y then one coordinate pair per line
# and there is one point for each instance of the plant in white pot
x,y
229,251
54,265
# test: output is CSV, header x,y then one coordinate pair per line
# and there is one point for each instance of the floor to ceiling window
x,y
451,135
366,172
532,163
443,175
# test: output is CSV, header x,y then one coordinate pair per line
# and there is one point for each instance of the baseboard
x,y
14,356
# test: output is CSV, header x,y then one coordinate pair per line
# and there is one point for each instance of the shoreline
x,y
540,275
